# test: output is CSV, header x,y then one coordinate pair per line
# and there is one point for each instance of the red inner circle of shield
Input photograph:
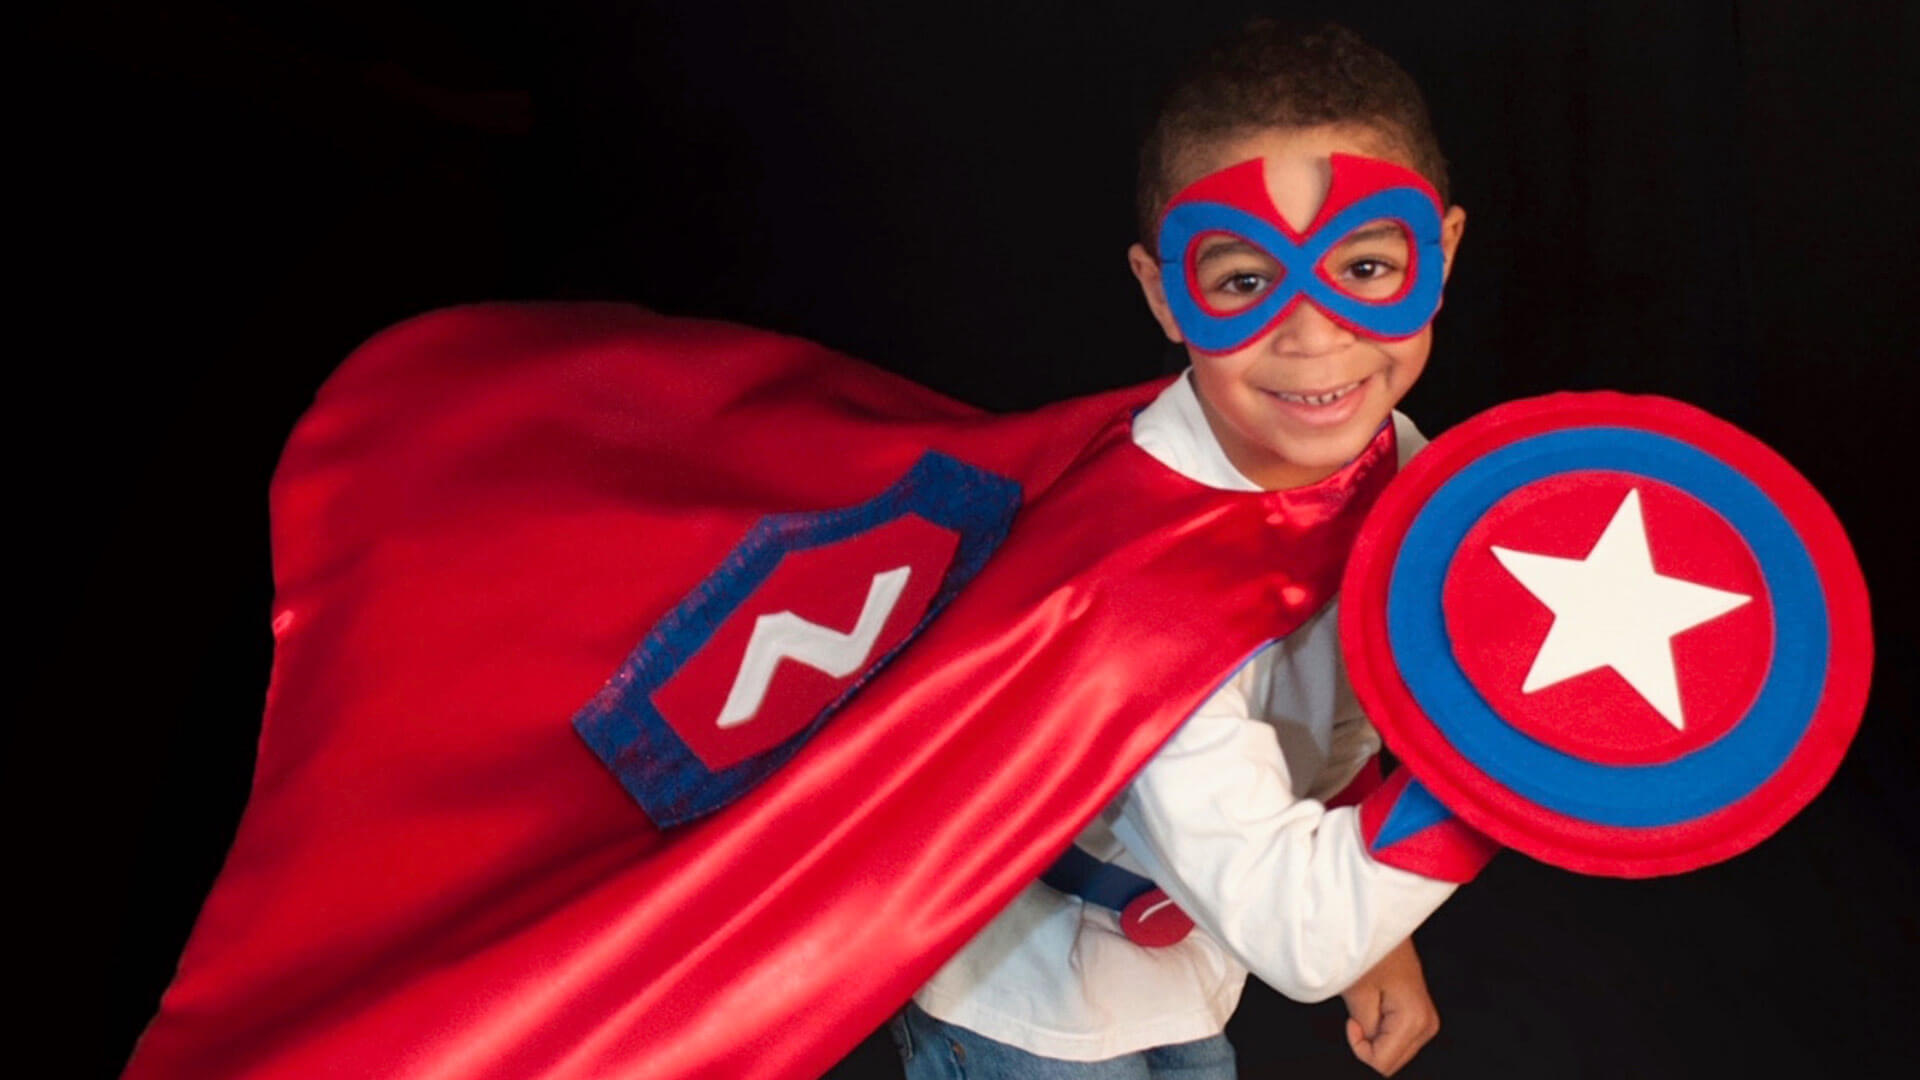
x,y
1496,626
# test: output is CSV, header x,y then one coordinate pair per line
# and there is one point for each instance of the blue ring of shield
x,y
1706,780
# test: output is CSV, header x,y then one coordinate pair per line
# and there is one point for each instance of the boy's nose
x,y
1308,331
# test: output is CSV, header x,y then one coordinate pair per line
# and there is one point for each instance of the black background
x,y
1712,201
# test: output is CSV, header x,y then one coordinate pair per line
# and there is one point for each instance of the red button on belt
x,y
1154,920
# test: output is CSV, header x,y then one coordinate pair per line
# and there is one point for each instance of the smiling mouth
x,y
1325,397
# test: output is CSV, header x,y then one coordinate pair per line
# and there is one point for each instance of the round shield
x,y
1615,633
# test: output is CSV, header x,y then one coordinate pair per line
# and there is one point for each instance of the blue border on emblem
x,y
1709,778
627,732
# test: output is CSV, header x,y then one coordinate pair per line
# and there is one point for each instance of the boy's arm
x,y
1352,770
1285,884
1390,1015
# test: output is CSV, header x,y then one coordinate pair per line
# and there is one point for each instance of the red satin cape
x,y
483,512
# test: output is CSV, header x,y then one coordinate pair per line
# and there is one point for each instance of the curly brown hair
x,y
1276,74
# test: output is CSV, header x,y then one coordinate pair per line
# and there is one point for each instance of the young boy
x,y
1290,379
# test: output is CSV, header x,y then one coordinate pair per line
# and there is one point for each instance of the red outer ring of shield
x,y
1519,823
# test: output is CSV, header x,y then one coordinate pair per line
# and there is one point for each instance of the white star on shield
x,y
1611,609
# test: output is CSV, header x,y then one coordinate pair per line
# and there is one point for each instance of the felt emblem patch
x,y
801,613
1613,632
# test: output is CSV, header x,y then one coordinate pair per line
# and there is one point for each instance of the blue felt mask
x,y
1380,223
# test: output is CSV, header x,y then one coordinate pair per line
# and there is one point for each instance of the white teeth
x,y
1327,398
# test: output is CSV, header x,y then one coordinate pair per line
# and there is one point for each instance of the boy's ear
x,y
1146,270
1452,225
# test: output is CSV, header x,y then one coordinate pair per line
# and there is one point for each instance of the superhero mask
x,y
1364,192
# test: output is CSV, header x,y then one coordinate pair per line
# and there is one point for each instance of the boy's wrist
x,y
1404,826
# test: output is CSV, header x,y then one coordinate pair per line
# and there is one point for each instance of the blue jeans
x,y
933,1049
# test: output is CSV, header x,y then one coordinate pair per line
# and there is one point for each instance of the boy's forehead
x,y
1298,161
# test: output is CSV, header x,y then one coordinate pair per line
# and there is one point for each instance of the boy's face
x,y
1301,398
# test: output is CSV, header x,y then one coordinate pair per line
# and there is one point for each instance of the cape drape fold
x,y
483,513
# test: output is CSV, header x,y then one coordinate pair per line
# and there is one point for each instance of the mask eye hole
x,y
1229,274
1374,262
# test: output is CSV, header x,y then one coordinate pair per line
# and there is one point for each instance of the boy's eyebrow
x,y
1383,231
1226,245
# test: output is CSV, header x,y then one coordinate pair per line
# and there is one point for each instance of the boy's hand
x,y
1389,1014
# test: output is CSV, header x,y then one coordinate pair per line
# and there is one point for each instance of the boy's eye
x,y
1371,262
1234,290
1232,273
1371,278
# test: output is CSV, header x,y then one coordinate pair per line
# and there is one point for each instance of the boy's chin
x,y
1294,466
1329,451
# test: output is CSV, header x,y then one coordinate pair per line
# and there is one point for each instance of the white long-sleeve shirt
x,y
1227,818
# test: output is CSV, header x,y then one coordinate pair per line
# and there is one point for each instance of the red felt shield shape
x,y
1613,632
